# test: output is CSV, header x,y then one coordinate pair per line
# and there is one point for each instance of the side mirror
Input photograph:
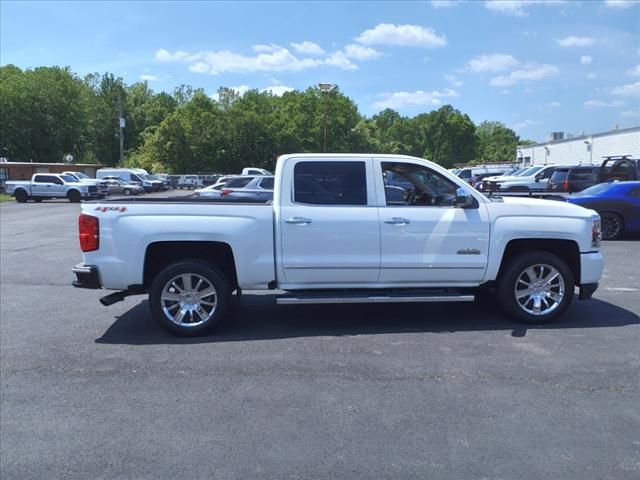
x,y
464,199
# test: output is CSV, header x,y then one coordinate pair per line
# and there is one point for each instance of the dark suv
x,y
573,179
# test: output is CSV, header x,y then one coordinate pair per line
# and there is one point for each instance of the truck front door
x,y
328,227
426,238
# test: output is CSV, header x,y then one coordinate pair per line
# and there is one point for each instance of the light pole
x,y
325,88
589,144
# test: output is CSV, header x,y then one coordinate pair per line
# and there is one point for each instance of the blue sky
x,y
537,66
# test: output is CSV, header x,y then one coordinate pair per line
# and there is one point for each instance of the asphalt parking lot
x,y
393,391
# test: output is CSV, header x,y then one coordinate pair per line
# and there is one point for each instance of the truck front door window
x,y
409,184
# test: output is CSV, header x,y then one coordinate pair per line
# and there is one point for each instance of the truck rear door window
x,y
330,183
238,182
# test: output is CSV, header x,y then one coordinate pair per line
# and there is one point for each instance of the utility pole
x,y
325,88
121,124
324,147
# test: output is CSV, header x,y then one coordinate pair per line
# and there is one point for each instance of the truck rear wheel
x,y
74,196
188,298
21,196
535,287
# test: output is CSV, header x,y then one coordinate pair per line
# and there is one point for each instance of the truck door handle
x,y
397,221
298,220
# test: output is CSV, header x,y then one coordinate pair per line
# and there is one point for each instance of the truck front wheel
x,y
535,287
188,298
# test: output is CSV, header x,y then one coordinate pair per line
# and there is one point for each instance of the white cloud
x,y
340,60
554,104
240,90
166,56
495,62
199,67
443,3
592,76
630,90
148,77
454,80
602,104
403,35
270,48
278,90
620,3
525,124
268,58
361,53
517,8
527,73
574,41
586,59
399,100
308,48
635,71
629,113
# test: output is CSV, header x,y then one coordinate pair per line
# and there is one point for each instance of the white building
x,y
585,149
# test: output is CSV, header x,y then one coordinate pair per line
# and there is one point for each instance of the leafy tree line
x,y
49,112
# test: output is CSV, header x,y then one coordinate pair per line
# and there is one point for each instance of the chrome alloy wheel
x,y
189,299
539,289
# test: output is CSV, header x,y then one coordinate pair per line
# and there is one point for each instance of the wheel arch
x,y
567,250
159,255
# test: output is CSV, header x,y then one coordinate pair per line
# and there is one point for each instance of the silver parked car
x,y
251,188
118,186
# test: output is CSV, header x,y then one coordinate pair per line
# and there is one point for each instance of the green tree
x,y
495,142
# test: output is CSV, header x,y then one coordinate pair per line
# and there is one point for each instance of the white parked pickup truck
x,y
50,185
336,233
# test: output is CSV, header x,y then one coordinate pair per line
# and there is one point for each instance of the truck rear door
x,y
328,227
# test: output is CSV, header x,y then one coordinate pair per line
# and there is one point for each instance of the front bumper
x,y
87,276
591,267
587,290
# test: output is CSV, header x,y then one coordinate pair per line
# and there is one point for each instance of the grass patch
x,y
5,198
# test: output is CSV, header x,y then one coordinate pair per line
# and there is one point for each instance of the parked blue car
x,y
618,204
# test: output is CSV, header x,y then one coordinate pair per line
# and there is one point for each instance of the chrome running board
x,y
372,298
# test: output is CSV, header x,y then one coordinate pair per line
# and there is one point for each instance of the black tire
x,y
37,199
509,280
612,226
21,196
127,191
74,196
199,268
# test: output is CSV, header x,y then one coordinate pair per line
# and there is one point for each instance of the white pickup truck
x,y
50,185
337,233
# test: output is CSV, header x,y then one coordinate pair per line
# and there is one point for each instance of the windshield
x,y
148,177
595,190
530,171
68,179
518,172
81,175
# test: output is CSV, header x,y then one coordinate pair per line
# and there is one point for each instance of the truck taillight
x,y
89,230
565,185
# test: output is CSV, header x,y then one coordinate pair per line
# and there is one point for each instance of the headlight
x,y
596,231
